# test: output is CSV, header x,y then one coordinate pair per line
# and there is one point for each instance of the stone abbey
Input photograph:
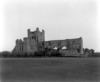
x,y
35,41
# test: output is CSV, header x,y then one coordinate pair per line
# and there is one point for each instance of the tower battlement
x,y
35,41
36,35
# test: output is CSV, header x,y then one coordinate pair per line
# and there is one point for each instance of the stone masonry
x,y
35,41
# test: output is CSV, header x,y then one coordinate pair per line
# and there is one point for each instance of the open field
x,y
50,70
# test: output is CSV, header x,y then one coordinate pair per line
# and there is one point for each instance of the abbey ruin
x,y
35,41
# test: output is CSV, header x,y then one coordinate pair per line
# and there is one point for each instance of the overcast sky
x,y
61,19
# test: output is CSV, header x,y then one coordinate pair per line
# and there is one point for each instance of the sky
x,y
61,19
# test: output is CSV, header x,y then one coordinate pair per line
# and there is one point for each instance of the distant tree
x,y
25,55
39,54
31,54
18,55
54,53
86,50
5,54
92,53
97,54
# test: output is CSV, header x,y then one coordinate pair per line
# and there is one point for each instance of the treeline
x,y
35,54
47,53
5,54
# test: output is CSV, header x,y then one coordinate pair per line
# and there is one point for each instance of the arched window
x,y
55,48
64,47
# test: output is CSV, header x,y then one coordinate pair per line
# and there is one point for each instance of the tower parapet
x,y
35,41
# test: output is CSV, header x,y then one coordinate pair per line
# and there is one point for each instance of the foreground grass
x,y
50,69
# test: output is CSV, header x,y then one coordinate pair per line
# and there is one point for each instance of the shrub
x,y
39,54
5,54
53,53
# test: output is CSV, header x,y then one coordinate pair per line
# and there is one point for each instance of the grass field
x,y
50,70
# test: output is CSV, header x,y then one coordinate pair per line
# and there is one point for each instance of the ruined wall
x,y
36,41
18,47
69,52
35,37
32,46
70,44
30,43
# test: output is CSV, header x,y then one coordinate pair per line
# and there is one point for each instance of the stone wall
x,y
30,43
36,35
36,41
70,44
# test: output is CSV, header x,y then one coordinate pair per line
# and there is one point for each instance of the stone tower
x,y
35,41
36,35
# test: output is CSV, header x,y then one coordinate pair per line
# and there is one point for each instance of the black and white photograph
x,y
49,41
